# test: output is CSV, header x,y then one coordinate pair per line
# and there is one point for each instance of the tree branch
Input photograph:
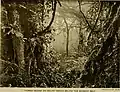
x,y
46,30
86,19
100,9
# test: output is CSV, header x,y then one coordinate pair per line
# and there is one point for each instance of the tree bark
x,y
17,37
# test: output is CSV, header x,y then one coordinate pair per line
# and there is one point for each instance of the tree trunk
x,y
80,40
67,39
17,37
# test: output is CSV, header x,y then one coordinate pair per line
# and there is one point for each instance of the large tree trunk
x,y
106,62
17,37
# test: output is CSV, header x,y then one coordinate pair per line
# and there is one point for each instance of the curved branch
x,y
86,19
100,9
59,3
46,30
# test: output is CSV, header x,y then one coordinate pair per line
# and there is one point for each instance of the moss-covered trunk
x,y
16,35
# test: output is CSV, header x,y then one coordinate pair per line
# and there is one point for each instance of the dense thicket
x,y
102,68
28,61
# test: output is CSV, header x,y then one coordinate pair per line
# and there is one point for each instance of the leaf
x,y
18,34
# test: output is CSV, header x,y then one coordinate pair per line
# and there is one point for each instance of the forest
x,y
60,43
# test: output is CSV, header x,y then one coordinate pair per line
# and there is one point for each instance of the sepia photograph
x,y
60,44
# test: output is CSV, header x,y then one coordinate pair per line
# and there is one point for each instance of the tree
x,y
67,39
98,68
26,38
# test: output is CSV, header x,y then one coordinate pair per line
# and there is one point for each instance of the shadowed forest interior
x,y
57,43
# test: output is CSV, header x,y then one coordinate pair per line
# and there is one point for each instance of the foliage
x,y
35,41
44,67
101,67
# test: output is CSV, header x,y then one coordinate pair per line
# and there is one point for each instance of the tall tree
x,y
17,37
99,68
